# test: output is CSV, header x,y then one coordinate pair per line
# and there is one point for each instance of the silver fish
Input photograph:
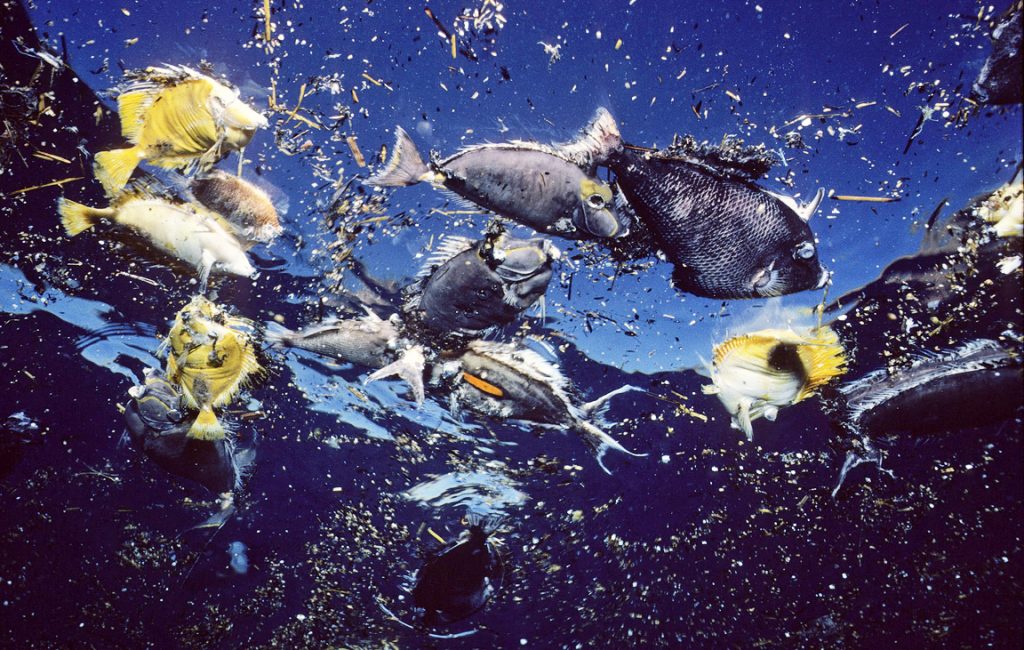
x,y
468,287
726,237
158,425
369,341
510,382
542,186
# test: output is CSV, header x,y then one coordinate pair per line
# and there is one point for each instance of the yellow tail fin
x,y
114,168
206,426
76,217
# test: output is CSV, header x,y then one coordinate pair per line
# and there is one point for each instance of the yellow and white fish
x,y
176,117
211,356
195,237
758,373
1004,208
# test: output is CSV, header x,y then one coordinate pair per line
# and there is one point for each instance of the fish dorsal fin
x,y
823,359
526,362
802,210
595,141
449,247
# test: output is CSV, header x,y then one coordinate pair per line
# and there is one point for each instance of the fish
x,y
1003,209
546,187
158,424
191,235
756,374
369,341
468,288
211,356
461,577
176,118
507,381
976,383
725,236
245,206
1001,79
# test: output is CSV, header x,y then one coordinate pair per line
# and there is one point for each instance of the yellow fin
x,y
76,217
132,107
823,358
114,168
206,426
482,385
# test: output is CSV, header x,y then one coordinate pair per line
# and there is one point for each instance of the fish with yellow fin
x,y
176,117
211,356
756,374
1004,208
185,231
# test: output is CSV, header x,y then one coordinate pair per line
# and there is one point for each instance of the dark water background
x,y
710,541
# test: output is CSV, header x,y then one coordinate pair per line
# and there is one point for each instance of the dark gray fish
x,y
509,382
937,393
1001,80
726,237
459,579
542,186
468,287
158,424
16,431
369,341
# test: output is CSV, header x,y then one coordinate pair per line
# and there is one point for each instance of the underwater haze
x,y
832,463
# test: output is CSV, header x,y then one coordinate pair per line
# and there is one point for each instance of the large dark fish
x,y
726,237
938,393
510,382
158,424
457,581
1001,80
468,287
542,186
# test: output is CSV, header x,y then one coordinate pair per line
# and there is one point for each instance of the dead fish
x,y
177,229
977,383
1001,80
458,580
245,206
176,117
159,422
756,374
725,236
541,186
510,382
469,287
211,356
369,341
1004,208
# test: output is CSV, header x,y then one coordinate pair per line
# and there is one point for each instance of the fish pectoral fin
x,y
594,407
409,367
742,419
770,413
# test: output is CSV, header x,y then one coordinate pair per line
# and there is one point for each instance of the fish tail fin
x,y
207,426
277,335
409,367
114,168
600,442
77,218
596,142
405,167
824,359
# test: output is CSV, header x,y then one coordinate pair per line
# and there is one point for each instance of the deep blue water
x,y
709,541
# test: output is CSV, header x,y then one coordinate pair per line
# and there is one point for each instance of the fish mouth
x,y
600,222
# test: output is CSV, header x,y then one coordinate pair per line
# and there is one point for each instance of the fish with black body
x,y
461,577
550,188
158,424
369,341
725,236
507,381
467,287
1001,79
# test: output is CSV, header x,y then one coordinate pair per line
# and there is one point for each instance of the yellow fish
x,y
211,357
176,117
758,373
1004,208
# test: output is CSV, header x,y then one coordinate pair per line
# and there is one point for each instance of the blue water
x,y
708,541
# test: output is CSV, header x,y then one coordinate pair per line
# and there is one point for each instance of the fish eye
x,y
595,201
803,251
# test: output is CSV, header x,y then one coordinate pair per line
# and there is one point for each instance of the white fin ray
x,y
449,247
